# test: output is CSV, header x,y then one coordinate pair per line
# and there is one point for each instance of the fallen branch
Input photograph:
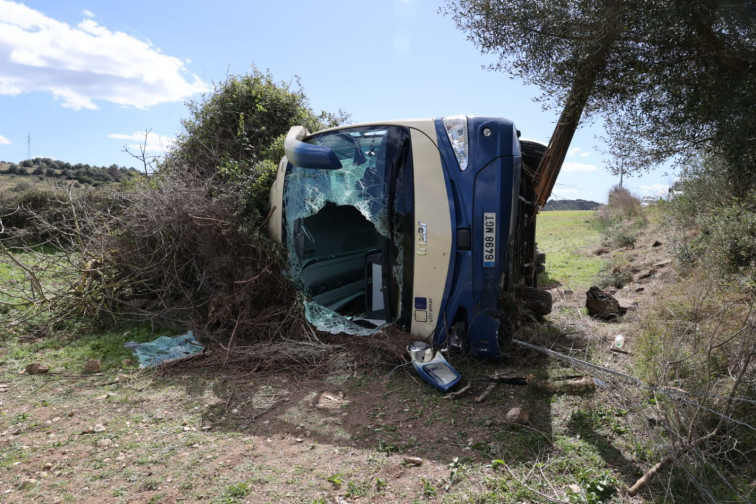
x,y
454,395
617,350
648,475
258,415
35,283
482,397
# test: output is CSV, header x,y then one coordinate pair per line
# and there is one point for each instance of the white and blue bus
x,y
426,223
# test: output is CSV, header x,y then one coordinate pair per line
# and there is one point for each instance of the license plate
x,y
489,240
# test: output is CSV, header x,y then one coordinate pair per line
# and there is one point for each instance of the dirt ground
x,y
195,434
189,435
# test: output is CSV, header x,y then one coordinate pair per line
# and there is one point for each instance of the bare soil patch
x,y
192,434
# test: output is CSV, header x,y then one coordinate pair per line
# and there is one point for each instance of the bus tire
x,y
537,301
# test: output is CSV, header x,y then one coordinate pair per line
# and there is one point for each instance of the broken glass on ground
x,y
165,348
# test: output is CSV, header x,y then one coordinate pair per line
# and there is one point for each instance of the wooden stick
x,y
617,350
482,397
454,395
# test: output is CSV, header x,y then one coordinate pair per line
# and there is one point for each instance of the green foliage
x,y
429,489
599,487
387,448
358,489
716,221
234,139
336,479
616,278
43,214
237,491
71,351
672,76
242,123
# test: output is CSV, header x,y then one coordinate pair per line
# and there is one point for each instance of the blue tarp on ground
x,y
165,348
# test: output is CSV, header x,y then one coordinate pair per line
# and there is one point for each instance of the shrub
x,y
187,245
22,187
621,218
616,277
35,215
715,223
239,124
622,203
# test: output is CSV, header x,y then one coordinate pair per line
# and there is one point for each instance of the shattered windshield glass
x,y
340,229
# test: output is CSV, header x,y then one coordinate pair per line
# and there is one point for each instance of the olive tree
x,y
669,77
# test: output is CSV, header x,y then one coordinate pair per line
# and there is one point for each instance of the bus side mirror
x,y
306,155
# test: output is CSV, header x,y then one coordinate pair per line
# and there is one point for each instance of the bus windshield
x,y
339,228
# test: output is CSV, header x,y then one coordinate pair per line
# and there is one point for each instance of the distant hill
x,y
52,170
577,204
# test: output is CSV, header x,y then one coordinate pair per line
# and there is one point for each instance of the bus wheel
x,y
537,301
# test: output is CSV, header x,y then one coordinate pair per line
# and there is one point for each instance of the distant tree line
x,y
61,170
577,204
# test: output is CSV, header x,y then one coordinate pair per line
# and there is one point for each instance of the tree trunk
x,y
582,87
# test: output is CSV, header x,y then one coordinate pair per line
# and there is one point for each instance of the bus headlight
x,y
456,130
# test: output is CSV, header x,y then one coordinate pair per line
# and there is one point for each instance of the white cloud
x,y
574,166
88,13
155,142
4,141
86,63
577,151
655,189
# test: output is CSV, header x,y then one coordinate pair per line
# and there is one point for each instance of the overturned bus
x,y
426,223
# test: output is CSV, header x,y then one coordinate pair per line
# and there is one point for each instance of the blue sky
x,y
85,78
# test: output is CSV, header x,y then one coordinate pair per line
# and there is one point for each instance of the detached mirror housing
x,y
305,155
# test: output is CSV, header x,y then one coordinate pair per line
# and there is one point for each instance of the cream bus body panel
x,y
433,230
275,220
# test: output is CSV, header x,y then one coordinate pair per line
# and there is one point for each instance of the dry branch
x,y
482,397
643,481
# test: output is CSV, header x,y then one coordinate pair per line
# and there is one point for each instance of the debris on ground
x,y
507,380
413,461
482,397
565,385
329,400
164,349
602,305
619,342
518,416
457,393
36,368
432,366
92,366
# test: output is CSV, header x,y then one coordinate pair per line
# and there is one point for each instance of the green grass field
x,y
569,238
